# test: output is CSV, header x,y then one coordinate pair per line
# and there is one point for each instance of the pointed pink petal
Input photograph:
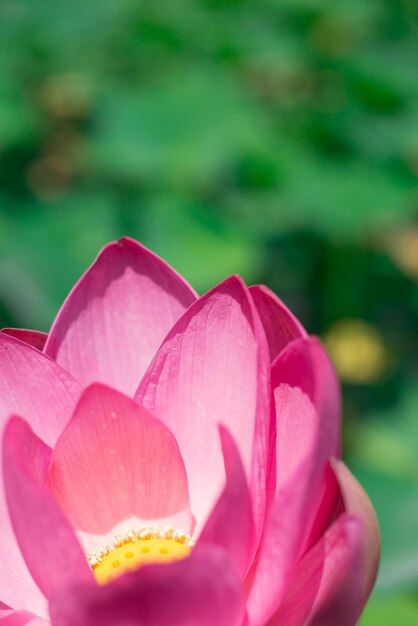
x,y
113,321
230,524
34,338
307,415
203,590
33,386
332,582
213,368
280,325
115,460
47,542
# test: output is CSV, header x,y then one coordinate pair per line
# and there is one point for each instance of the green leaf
x,y
183,130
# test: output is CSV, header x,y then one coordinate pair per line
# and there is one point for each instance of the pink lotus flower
x,y
198,436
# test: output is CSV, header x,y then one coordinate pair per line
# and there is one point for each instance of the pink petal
x,y
280,546
357,503
329,508
115,460
213,368
326,583
48,544
303,369
114,319
306,365
203,590
34,338
230,524
332,582
280,325
307,413
33,386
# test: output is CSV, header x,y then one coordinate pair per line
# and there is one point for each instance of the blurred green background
x,y
275,139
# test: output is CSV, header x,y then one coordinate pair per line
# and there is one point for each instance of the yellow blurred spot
x,y
358,351
66,95
332,36
403,247
50,177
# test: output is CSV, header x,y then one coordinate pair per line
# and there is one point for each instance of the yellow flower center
x,y
138,547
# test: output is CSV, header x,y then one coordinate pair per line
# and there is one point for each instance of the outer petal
x,y
280,325
202,590
34,338
34,386
357,503
333,581
230,524
48,544
114,319
316,593
213,368
115,460
307,414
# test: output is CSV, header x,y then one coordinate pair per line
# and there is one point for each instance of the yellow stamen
x,y
139,546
